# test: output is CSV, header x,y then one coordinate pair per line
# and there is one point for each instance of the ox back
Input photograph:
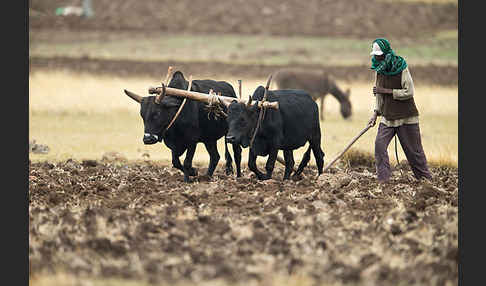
x,y
292,125
194,115
295,123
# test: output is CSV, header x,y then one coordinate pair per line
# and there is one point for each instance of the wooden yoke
x,y
204,97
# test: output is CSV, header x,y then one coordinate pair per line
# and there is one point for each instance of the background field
x,y
132,221
98,118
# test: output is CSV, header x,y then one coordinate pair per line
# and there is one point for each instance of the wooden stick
x,y
159,97
347,147
182,106
167,77
239,88
204,97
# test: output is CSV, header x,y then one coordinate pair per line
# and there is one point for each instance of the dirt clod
x,y
240,229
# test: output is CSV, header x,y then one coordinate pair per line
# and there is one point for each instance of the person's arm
x,y
377,107
378,100
403,93
407,90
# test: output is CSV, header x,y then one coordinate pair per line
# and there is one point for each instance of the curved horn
x,y
249,101
267,87
239,88
169,73
159,96
190,83
133,96
269,80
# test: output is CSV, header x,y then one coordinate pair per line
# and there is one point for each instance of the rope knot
x,y
215,106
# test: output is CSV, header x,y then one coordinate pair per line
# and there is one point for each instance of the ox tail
x,y
304,161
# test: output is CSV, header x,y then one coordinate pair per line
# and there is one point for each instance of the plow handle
x,y
347,147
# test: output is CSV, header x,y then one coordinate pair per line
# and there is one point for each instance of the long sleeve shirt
x,y
406,92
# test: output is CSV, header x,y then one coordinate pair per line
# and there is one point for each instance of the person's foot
x,y
384,182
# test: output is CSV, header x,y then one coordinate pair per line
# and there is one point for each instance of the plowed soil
x,y
323,18
138,220
429,74
351,18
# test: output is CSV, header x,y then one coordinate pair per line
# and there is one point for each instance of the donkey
x,y
318,84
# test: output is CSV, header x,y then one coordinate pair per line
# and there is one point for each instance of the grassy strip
x,y
438,49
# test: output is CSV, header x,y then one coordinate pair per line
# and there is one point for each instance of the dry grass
x,y
82,116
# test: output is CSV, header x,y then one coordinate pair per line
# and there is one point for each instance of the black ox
x,y
291,126
192,126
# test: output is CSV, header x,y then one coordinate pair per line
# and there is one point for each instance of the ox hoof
x,y
193,172
188,180
205,178
297,177
264,177
229,170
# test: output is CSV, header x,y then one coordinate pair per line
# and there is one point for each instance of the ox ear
x,y
348,92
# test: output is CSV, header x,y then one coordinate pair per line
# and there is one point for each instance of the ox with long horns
x,y
183,122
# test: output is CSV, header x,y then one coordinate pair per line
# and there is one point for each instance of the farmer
x,y
394,93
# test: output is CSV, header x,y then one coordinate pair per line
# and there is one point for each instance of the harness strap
x,y
182,105
177,114
260,119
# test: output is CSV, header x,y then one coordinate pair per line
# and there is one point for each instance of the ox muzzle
x,y
230,138
151,138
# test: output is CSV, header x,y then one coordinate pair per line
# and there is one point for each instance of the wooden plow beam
x,y
204,97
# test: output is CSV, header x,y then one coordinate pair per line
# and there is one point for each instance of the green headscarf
x,y
392,64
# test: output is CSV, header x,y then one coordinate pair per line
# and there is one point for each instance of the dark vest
x,y
395,109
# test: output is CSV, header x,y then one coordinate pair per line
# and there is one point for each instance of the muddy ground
x,y
138,220
324,18
351,18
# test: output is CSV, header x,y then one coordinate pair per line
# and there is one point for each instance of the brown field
x,y
138,223
105,209
129,219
